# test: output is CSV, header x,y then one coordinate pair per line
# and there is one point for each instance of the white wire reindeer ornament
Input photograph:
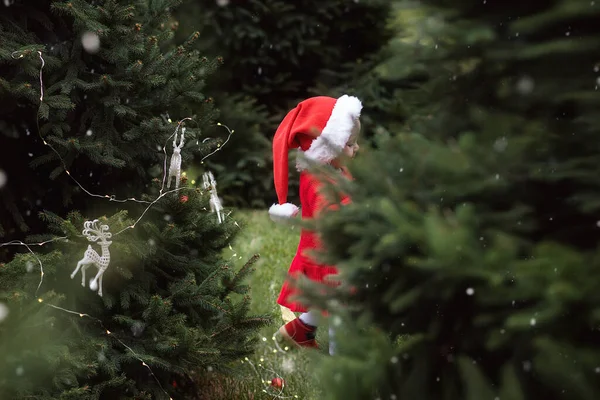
x,y
175,166
100,234
210,184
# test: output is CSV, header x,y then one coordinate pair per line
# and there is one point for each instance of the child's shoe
x,y
297,334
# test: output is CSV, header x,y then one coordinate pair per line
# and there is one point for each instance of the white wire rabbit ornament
x,y
210,184
175,166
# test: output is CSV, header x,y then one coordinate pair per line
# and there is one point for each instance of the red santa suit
x,y
319,128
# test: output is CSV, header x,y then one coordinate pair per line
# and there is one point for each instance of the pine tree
x,y
472,238
381,79
92,93
276,53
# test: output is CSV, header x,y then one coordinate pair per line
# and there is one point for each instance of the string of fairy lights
x,y
110,334
274,383
112,198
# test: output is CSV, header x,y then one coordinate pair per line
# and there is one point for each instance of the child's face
x,y
352,146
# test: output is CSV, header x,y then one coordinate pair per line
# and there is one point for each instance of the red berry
x,y
184,199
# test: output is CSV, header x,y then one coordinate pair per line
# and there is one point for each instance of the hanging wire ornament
x,y
210,184
100,234
175,166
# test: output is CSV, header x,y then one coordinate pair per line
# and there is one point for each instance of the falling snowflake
x,y
3,312
137,328
500,144
29,266
20,371
90,42
3,179
288,365
222,3
525,85
532,322
88,132
470,291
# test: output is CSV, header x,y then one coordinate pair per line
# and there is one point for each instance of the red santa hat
x,y
319,127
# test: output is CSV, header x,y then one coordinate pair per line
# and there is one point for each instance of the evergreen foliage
x,y
473,234
171,305
99,110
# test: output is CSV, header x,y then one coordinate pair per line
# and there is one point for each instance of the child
x,y
324,129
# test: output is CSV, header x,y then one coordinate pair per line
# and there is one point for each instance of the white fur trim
x,y
338,129
283,211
